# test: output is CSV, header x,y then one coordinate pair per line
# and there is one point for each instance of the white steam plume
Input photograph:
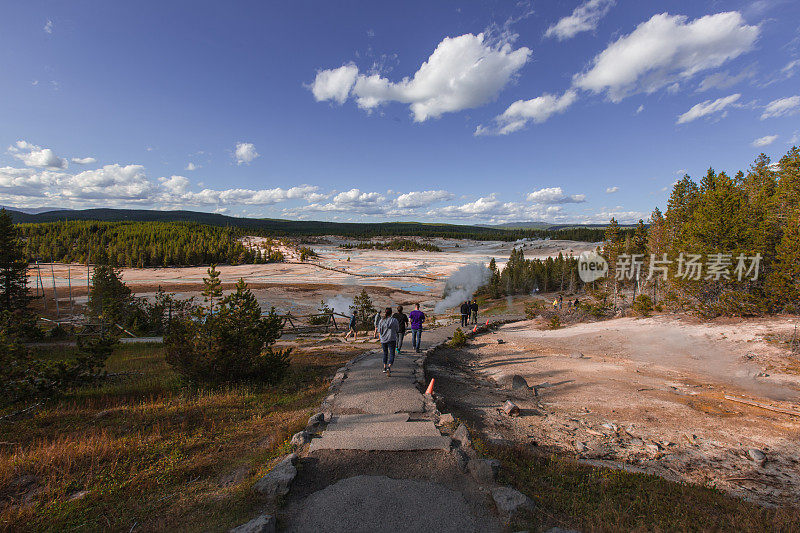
x,y
340,304
462,284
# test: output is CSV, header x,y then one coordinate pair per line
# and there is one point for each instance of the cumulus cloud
x,y
555,195
463,72
611,190
84,160
245,153
708,107
192,166
36,156
175,184
764,141
416,199
537,109
585,17
781,107
48,26
111,181
664,50
334,84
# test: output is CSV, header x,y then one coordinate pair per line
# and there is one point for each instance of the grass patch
x,y
139,449
572,495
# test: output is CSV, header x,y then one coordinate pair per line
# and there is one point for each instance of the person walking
x,y
464,313
387,333
376,320
353,331
474,310
417,318
402,320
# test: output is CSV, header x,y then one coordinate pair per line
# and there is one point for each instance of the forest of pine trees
x,y
138,244
720,220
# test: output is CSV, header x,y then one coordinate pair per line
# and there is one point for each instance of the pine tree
x,y
363,309
13,267
110,298
212,287
784,280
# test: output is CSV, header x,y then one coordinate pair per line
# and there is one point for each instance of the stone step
x,y
385,429
344,441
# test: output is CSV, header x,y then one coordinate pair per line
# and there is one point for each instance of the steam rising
x,y
462,284
340,304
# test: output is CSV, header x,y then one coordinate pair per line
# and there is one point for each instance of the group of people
x,y
469,312
558,303
391,328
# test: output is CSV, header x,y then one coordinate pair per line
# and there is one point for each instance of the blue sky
x,y
488,112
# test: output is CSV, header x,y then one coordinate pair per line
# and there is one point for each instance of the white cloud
x,y
790,68
84,160
724,80
781,107
463,72
245,153
611,190
109,182
192,166
764,141
554,195
708,107
640,109
36,156
664,50
334,84
585,17
538,109
48,26
416,199
175,184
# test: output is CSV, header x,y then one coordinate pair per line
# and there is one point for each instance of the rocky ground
x,y
645,395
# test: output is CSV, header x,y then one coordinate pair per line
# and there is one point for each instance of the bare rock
x,y
510,501
277,481
446,418
315,422
75,496
580,447
301,438
262,524
518,383
576,355
757,456
484,470
510,408
461,457
461,434
500,341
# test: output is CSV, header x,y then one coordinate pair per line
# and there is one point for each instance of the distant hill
x,y
269,226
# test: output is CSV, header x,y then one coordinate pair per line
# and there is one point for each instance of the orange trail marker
x,y
429,390
475,329
487,321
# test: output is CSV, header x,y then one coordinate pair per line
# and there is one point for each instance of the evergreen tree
x,y
13,267
212,287
110,299
784,280
363,309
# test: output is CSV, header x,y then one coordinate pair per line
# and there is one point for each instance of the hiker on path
x,y
417,318
387,332
402,320
474,310
376,320
464,313
352,329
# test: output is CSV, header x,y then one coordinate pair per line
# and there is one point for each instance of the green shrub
x,y
459,339
554,322
643,305
232,345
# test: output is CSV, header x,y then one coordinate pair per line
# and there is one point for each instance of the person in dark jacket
x,y
473,308
464,313
402,320
387,332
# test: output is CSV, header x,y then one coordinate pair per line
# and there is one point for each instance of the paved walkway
x,y
372,411
372,417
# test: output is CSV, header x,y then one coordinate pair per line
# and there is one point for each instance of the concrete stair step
x,y
343,441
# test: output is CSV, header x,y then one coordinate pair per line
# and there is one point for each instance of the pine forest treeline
x,y
137,244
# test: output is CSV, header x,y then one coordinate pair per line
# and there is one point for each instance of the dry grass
x,y
140,451
573,495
